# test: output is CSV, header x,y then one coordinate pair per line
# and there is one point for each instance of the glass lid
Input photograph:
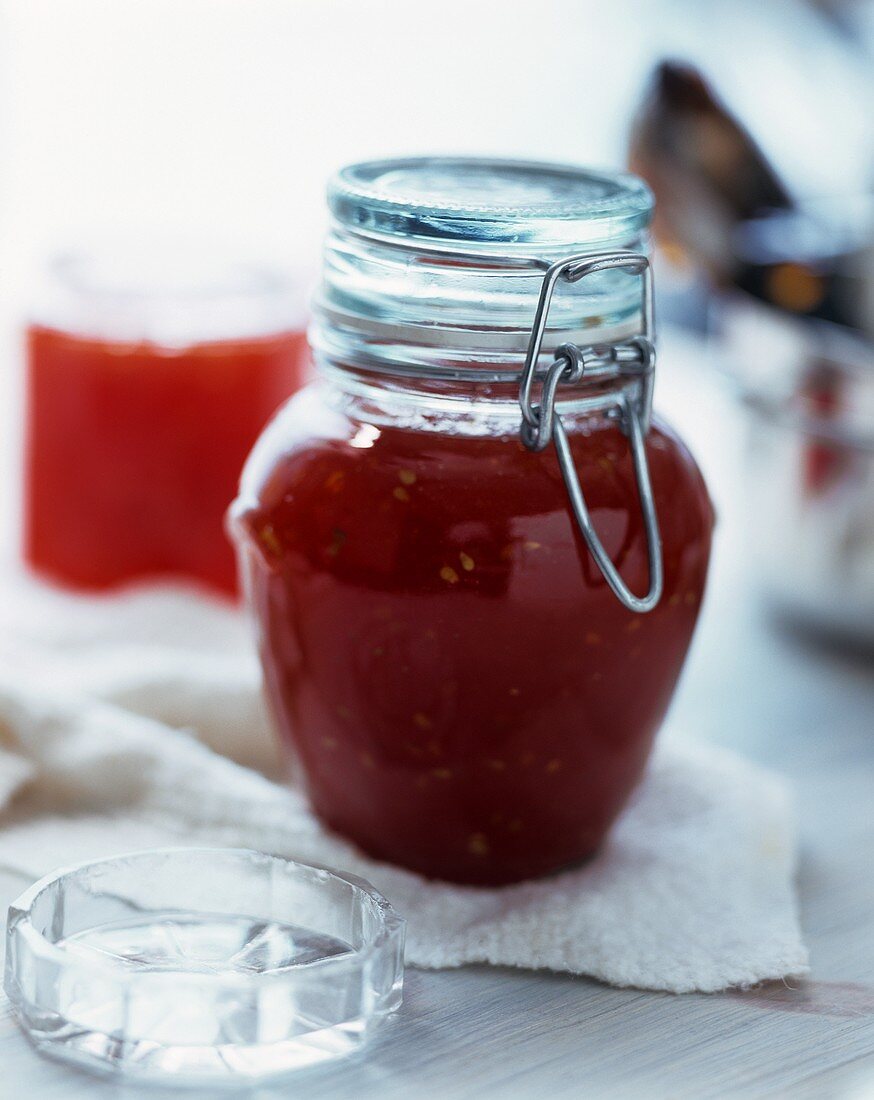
x,y
202,966
487,202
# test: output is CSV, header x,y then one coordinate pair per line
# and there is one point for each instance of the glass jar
x,y
796,338
469,635
150,372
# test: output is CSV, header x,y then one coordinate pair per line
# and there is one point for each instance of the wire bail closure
x,y
632,363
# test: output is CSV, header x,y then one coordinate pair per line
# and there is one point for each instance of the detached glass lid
x,y
200,965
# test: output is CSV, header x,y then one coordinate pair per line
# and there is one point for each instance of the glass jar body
x,y
461,690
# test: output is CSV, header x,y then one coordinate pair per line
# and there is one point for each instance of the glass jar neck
x,y
465,406
415,311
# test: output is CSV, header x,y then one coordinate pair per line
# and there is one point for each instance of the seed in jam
x,y
478,845
269,539
338,537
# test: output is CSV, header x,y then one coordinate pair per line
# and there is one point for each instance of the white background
x,y
220,119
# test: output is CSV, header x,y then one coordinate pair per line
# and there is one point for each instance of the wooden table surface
x,y
779,698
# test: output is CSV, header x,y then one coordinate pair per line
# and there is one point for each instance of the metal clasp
x,y
632,364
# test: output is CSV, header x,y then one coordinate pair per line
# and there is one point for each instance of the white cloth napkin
x,y
137,721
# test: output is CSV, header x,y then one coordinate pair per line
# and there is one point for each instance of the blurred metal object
x,y
816,261
720,144
809,390
704,167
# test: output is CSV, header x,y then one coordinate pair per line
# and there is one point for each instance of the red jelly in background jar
x,y
464,692
147,382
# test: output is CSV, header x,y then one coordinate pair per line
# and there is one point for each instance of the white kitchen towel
x,y
113,714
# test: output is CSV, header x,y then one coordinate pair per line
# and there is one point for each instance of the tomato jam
x,y
464,693
133,451
463,687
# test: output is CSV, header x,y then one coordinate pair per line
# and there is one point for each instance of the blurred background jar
x,y
796,341
774,258
150,372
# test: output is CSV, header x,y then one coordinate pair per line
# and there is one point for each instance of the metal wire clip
x,y
632,364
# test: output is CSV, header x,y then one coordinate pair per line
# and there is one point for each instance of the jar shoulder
x,y
318,471
303,424
309,431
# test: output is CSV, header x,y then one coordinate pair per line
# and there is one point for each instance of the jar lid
x,y
434,265
486,202
201,965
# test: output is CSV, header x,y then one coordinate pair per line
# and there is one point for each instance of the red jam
x,y
466,696
133,452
